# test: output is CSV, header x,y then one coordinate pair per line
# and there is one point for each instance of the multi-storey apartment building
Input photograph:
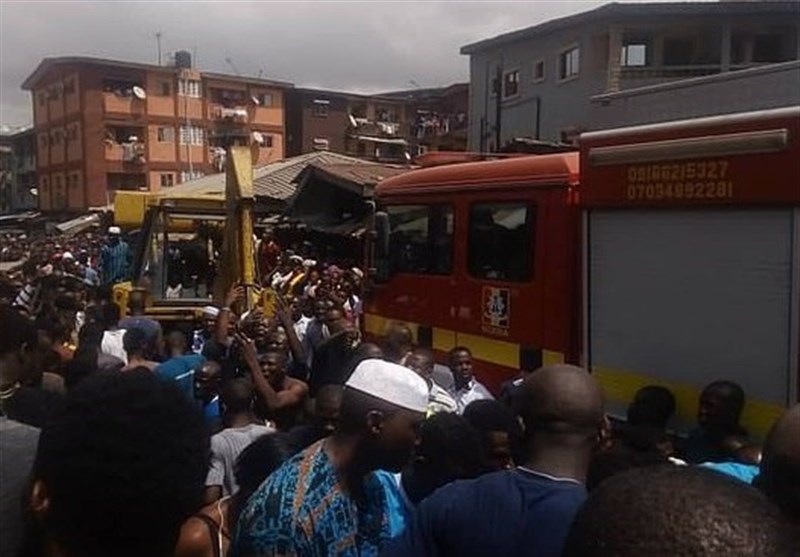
x,y
538,82
17,169
105,125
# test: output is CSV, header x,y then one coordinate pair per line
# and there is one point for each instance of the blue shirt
x,y
301,510
114,262
399,508
211,412
504,514
743,472
181,370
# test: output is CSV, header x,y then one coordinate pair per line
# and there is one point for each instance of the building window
x,y
167,180
569,63
42,99
321,144
191,135
69,86
166,89
72,133
264,100
57,181
189,88
321,108
166,134
44,140
421,239
510,84
678,52
634,54
55,138
538,71
769,49
500,241
267,142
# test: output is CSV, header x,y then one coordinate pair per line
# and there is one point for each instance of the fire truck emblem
x,y
496,307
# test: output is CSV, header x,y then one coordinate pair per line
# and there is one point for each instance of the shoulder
x,y
195,538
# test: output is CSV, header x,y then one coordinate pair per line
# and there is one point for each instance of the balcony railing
x,y
234,113
131,153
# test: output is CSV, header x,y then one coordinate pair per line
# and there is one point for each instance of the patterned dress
x,y
301,510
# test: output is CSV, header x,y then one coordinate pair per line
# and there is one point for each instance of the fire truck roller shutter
x,y
684,297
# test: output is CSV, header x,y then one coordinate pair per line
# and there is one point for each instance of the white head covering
x,y
67,255
210,311
114,230
395,384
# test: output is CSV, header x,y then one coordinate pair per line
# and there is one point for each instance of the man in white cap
x,y
115,258
206,332
326,500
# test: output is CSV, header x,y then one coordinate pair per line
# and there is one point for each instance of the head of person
x,y
364,351
652,406
779,477
460,364
236,397
421,361
207,380
399,342
273,366
136,344
20,353
177,344
209,319
128,452
676,510
114,235
720,407
382,407
562,411
449,449
110,314
320,309
334,319
137,301
499,429
277,339
327,408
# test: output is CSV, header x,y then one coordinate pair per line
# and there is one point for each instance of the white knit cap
x,y
114,230
210,311
393,383
67,255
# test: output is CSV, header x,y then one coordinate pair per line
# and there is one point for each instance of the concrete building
x,y
538,82
17,169
105,125
759,88
364,126
437,118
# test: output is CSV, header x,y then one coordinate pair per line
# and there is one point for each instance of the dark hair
x,y
676,510
617,458
17,331
652,406
134,341
450,447
84,361
124,465
237,396
111,314
257,461
456,350
487,416
732,393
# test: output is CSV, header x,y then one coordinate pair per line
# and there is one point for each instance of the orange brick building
x,y
104,125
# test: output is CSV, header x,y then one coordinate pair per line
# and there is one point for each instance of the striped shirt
x,y
114,262
226,446
25,297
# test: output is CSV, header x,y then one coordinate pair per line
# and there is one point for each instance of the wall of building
x,y
762,88
555,109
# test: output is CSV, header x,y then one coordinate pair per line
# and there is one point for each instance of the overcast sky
x,y
356,46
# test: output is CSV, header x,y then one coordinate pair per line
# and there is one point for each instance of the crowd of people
x,y
290,434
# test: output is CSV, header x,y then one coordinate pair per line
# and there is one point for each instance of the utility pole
x,y
158,43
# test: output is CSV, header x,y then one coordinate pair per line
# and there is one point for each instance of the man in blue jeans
x,y
526,511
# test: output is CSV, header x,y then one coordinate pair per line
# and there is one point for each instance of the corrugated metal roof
x,y
646,9
274,180
363,174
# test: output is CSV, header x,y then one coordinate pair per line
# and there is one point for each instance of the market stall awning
x,y
79,224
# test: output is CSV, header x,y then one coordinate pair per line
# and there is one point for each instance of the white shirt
x,y
472,392
440,400
300,327
112,344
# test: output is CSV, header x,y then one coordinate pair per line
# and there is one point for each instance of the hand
x,y
235,294
282,312
249,351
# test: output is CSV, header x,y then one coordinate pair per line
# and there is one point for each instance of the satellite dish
x,y
255,100
139,93
132,139
257,137
353,121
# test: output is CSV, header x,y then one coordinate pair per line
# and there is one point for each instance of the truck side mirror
x,y
382,232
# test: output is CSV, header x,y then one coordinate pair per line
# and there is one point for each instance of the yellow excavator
x,y
193,248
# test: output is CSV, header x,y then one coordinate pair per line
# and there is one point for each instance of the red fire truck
x,y
663,254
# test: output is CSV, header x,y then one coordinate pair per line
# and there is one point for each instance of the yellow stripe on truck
x,y
497,352
620,386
